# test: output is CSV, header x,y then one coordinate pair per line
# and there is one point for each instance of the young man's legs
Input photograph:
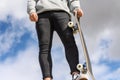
x,y
59,21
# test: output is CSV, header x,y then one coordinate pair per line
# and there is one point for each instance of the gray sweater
x,y
40,6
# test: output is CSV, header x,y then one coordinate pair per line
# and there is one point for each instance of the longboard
x,y
77,28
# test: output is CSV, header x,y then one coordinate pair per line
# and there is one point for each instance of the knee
x,y
44,48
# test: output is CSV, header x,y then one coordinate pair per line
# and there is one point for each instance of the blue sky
x,y
19,48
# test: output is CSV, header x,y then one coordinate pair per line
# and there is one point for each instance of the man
x,y
54,15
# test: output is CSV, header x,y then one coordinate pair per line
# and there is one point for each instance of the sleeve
x,y
31,6
74,4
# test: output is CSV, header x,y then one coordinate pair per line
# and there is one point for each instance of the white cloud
x,y
14,32
112,75
15,9
99,70
114,49
24,66
18,25
103,72
8,39
100,18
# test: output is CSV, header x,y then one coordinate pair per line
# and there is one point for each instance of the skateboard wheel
x,y
70,24
79,67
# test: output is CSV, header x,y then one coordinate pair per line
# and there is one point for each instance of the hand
x,y
79,12
33,17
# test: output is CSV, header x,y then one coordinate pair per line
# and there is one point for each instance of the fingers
x,y
33,17
79,12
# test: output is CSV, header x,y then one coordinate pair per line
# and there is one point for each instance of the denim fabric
x,y
48,23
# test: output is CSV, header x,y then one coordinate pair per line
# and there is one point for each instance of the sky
x,y
19,45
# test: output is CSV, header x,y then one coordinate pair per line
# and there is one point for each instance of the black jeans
x,y
47,23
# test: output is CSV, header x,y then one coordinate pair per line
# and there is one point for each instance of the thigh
x,y
61,26
44,30
61,20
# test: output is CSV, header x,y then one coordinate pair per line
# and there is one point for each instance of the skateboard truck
x,y
82,68
74,27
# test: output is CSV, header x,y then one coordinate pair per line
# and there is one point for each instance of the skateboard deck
x,y
87,64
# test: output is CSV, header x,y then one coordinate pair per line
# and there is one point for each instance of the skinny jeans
x,y
49,22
